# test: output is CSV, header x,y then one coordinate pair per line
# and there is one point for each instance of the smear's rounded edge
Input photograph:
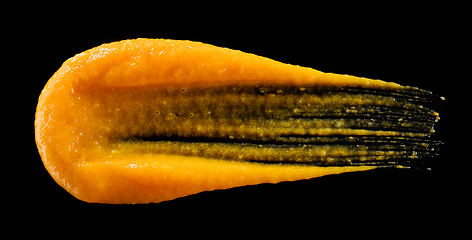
x,y
143,62
146,180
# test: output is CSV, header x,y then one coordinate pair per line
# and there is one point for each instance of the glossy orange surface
x,y
82,122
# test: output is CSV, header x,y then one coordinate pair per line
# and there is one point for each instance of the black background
x,y
410,47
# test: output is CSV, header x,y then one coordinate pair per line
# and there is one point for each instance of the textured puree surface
x,y
145,120
261,123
